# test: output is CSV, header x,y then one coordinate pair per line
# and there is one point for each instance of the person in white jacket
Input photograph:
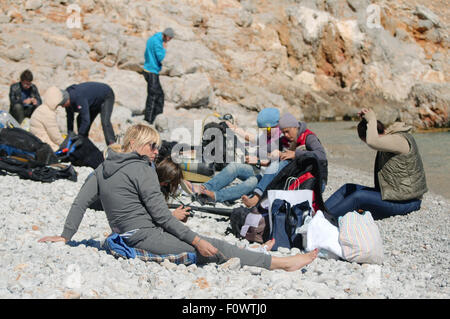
x,y
43,123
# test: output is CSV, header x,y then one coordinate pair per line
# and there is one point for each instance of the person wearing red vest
x,y
302,141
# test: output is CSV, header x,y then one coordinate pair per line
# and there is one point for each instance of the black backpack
x,y
45,174
227,150
18,142
301,166
80,151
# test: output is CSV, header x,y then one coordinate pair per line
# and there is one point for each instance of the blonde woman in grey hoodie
x,y
128,187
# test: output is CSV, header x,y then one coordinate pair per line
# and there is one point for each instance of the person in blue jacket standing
x,y
155,52
88,99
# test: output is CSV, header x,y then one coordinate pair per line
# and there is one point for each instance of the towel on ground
x,y
117,247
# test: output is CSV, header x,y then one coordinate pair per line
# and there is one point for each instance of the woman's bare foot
x,y
195,188
293,263
208,193
250,202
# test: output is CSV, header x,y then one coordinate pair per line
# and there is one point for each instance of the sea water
x,y
344,147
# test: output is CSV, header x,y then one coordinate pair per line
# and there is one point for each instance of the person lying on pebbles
x,y
130,192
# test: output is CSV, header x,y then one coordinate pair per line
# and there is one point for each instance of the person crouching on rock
x,y
399,175
128,187
24,97
43,122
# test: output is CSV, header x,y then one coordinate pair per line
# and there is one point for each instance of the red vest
x,y
301,179
302,138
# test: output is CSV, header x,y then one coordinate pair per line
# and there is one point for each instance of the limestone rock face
x,y
320,60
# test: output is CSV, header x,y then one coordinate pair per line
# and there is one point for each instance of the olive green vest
x,y
400,176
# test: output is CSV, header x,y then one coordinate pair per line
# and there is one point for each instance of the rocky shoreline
x,y
416,250
319,60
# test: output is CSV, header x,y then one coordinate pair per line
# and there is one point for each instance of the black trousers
x,y
20,112
155,97
105,111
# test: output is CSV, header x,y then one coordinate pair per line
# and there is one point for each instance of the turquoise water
x,y
344,147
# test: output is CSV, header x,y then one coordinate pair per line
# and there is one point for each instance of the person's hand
x,y
287,155
252,160
165,45
275,154
368,114
27,101
205,248
33,101
52,239
362,112
181,213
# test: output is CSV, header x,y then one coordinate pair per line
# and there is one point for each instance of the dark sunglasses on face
x,y
155,146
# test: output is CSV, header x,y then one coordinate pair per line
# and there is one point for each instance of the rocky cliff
x,y
319,59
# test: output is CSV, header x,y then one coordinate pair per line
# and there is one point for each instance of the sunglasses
x,y
155,146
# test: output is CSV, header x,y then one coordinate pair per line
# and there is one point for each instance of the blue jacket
x,y
154,53
83,98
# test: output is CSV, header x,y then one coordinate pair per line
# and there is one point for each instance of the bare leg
x,y
293,263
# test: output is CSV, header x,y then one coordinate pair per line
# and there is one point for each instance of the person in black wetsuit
x,y
89,99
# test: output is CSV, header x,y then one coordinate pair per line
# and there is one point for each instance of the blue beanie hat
x,y
268,117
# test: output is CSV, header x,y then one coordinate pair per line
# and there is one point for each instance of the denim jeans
x,y
352,197
218,184
269,174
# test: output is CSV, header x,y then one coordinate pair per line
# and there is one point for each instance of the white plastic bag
x,y
321,234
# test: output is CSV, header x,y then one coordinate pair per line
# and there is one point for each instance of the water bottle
x,y
3,119
6,120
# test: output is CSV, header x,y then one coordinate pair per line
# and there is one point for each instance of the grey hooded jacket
x,y
129,190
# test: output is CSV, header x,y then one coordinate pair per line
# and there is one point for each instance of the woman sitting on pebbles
x,y
130,193
399,175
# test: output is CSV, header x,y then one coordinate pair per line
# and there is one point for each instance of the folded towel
x,y
117,247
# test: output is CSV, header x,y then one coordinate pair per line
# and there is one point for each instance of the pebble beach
x,y
319,60
416,255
